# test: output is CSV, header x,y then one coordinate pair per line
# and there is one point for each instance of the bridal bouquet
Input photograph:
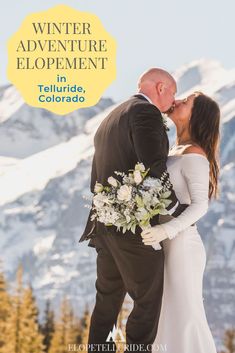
x,y
131,202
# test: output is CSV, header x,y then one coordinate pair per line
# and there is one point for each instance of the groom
x,y
133,132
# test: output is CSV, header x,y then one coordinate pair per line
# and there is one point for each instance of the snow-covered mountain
x,y
27,130
45,163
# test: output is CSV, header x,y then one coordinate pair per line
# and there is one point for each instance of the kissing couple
x,y
161,268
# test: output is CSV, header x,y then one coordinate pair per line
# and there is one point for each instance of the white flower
x,y
131,178
112,181
98,187
124,193
137,177
127,215
140,167
141,213
107,215
99,200
153,183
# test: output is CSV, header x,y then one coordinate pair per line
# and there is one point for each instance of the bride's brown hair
x,y
204,128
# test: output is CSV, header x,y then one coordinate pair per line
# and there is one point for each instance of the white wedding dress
x,y
183,326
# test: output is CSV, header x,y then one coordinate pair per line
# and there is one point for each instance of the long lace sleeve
x,y
195,169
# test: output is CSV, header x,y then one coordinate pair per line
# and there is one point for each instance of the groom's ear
x,y
160,88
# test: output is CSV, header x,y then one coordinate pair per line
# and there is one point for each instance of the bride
x,y
193,169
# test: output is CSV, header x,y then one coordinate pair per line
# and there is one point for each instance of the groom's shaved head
x,y
155,75
158,85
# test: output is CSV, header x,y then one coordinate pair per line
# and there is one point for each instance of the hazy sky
x,y
148,33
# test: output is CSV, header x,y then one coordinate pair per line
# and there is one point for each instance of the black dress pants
x,y
126,265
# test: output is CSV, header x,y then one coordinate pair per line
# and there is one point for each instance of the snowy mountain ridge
x,y
45,163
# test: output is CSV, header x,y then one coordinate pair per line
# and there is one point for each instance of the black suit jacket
x,y
133,132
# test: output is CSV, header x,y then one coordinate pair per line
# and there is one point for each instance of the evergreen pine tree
x,y
13,344
31,340
5,309
85,325
65,329
48,326
22,334
229,341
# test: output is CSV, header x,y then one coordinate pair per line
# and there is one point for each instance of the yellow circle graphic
x,y
61,59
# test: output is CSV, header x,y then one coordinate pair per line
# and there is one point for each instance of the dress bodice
x,y
176,164
189,174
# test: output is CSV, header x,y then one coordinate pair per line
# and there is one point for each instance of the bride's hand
x,y
153,235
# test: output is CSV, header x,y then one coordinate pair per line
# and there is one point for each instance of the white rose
x,y
99,200
140,167
124,193
137,177
98,187
112,181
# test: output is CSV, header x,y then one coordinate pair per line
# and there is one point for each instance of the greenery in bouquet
x,y
133,201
